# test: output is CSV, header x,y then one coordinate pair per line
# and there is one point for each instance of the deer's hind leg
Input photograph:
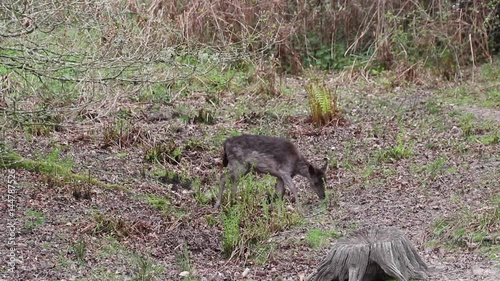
x,y
235,172
280,188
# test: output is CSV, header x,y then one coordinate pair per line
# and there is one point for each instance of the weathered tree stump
x,y
371,254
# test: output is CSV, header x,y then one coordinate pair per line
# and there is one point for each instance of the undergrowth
x,y
471,228
252,218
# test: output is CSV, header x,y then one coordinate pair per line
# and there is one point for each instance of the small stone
x,y
245,272
184,274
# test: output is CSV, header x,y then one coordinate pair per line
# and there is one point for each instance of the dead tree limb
x,y
371,254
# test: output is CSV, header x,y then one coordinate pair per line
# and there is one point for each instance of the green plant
x,y
322,102
432,107
159,93
211,221
438,167
397,152
55,168
231,230
204,116
489,139
470,226
317,238
164,153
183,259
79,249
111,225
467,124
123,132
52,172
251,219
145,269
176,180
327,56
368,172
34,219
54,157
333,162
159,203
42,124
203,197
263,252
195,145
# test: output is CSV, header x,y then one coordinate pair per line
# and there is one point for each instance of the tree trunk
x,y
371,254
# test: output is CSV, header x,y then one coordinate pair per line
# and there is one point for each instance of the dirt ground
x,y
118,226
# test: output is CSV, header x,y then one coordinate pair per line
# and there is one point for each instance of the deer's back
x,y
262,151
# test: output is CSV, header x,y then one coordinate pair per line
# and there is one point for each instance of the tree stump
x,y
371,254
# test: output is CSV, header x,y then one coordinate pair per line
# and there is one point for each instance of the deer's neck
x,y
303,167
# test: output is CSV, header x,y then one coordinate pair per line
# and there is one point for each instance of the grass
x,y
468,96
34,219
477,228
51,166
183,260
132,265
79,250
318,238
145,269
201,195
109,225
251,219
476,130
438,167
163,153
162,204
231,235
122,132
263,252
394,153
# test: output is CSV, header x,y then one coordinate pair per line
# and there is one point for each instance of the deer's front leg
x,y
289,182
223,180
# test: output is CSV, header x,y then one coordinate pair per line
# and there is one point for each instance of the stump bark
x,y
371,254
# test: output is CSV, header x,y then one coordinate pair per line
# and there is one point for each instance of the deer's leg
x,y
289,182
223,180
280,188
235,172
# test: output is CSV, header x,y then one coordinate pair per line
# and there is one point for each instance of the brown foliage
x,y
392,31
285,27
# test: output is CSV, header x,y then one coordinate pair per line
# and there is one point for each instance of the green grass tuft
x,y
318,238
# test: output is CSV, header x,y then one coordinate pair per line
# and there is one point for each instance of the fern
x,y
322,103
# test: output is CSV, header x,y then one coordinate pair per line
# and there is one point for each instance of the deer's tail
x,y
224,159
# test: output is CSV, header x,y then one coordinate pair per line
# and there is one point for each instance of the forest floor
x,y
424,159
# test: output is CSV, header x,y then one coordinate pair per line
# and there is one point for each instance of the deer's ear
x,y
312,170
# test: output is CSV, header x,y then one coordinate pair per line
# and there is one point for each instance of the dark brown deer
x,y
269,155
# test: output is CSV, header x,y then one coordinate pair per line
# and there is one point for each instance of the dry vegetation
x,y
113,113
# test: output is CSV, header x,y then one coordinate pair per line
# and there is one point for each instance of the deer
x,y
268,155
